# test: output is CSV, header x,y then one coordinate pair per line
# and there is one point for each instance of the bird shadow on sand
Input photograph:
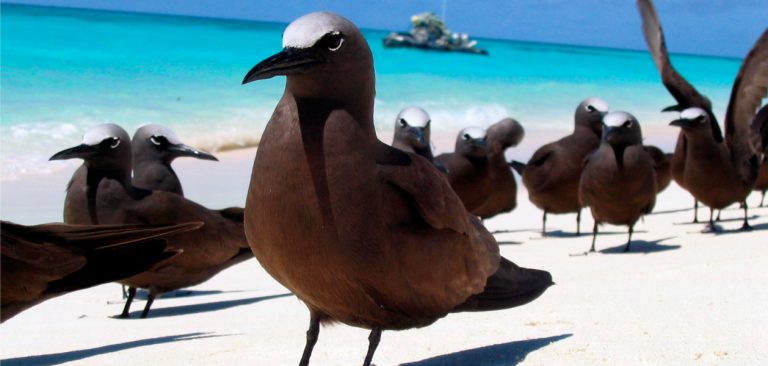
x,y
142,294
505,354
736,230
706,220
204,307
559,234
642,246
508,231
69,356
508,242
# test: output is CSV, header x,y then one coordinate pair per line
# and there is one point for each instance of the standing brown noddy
x,y
618,182
469,170
412,134
760,139
552,174
154,149
661,161
688,97
44,261
720,172
502,196
102,192
361,232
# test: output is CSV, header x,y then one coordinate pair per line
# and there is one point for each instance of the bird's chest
x,y
308,206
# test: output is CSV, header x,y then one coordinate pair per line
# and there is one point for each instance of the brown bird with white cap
x,y
361,232
552,174
618,182
102,192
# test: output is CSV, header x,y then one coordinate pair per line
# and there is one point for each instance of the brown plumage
x,y
745,99
503,188
618,182
552,174
661,163
760,141
101,192
361,232
154,148
412,134
469,170
722,173
44,261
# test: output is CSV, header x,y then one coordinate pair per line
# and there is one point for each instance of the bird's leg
x,y
711,228
762,199
578,223
373,342
312,332
594,236
544,225
718,215
745,226
125,292
131,294
150,300
629,240
695,211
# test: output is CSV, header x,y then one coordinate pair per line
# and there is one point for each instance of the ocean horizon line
x,y
244,20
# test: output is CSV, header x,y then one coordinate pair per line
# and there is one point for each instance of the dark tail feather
x,y
114,263
509,287
517,166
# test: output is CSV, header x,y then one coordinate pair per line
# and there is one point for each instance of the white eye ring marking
x,y
334,49
117,143
154,140
628,124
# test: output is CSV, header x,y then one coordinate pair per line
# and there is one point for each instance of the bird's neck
x,y
589,130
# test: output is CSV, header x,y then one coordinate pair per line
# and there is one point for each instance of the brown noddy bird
x,y
44,261
760,139
748,96
412,134
502,197
361,232
722,172
154,149
618,182
102,192
661,162
469,170
552,174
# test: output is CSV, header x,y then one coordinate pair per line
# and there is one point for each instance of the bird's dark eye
x,y
403,122
591,108
466,136
159,140
627,124
110,142
333,41
700,119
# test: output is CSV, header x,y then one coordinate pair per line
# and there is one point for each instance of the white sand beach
x,y
679,298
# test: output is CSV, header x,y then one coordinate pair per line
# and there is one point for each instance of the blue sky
x,y
712,27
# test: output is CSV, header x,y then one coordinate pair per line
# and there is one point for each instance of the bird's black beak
x,y
184,150
610,133
81,151
682,122
481,143
418,134
673,108
286,62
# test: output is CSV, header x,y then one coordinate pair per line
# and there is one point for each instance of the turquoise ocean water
x,y
65,70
